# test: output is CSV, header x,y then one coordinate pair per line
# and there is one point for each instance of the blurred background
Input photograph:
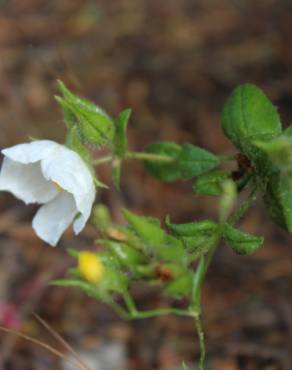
x,y
174,63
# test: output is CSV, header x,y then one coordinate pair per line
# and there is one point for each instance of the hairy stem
x,y
201,336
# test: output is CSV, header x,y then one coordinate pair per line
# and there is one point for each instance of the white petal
x,y
26,182
66,168
31,152
53,218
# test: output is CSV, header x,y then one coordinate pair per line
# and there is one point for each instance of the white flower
x,y
48,173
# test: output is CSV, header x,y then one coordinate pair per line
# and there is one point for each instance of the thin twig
x,y
43,345
61,340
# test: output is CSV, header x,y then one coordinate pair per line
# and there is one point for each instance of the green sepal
x,y
156,241
93,123
73,141
240,242
113,281
147,228
172,249
180,287
127,255
197,237
192,229
210,183
120,136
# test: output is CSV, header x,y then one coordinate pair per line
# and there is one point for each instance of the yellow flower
x,y
90,267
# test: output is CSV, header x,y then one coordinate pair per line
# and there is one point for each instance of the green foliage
x,y
73,141
127,256
197,237
210,183
94,124
167,171
279,151
180,287
248,115
278,199
193,229
120,145
240,242
148,229
194,161
120,137
156,241
187,161
177,259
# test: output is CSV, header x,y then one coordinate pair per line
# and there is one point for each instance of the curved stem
x,y
136,314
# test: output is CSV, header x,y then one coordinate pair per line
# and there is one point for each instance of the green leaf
x,y
188,161
162,246
197,237
180,287
194,161
278,199
201,247
163,170
128,256
239,241
210,183
148,229
120,137
248,115
171,250
192,229
93,123
113,281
